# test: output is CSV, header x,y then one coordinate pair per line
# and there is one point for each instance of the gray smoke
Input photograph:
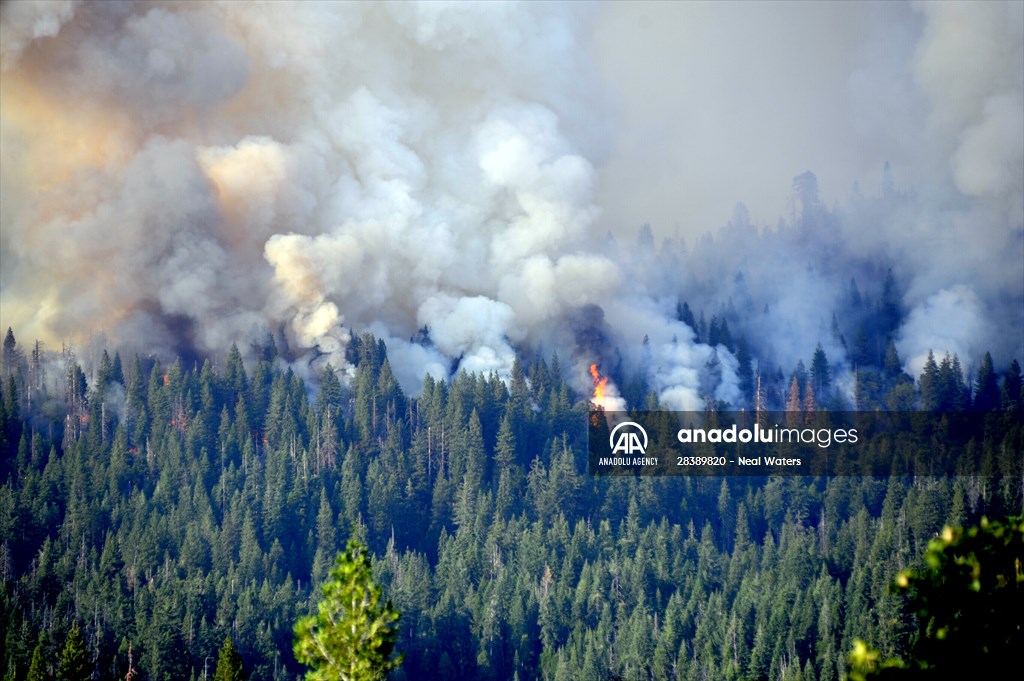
x,y
317,168
181,176
758,94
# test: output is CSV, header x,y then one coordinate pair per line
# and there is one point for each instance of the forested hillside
x,y
278,279
160,509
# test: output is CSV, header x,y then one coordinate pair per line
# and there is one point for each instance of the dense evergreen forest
x,y
151,512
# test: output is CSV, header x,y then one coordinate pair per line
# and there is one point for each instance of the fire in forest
x,y
600,385
606,395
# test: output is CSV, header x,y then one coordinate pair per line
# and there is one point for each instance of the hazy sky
x,y
724,102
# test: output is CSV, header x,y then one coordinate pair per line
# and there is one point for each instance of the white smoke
x,y
24,22
313,168
758,95
181,176
949,321
969,63
967,290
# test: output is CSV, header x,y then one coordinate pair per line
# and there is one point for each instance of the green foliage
x,y
37,668
330,393
74,662
213,502
229,663
352,635
821,373
986,397
967,600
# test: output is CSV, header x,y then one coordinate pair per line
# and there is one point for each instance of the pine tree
x,y
505,447
801,373
329,395
234,374
960,390
892,365
862,354
392,401
37,669
326,537
810,405
986,396
793,404
352,635
685,315
9,358
518,386
1013,387
931,388
106,370
367,403
952,393
475,456
116,372
889,306
229,663
821,374
74,662
714,334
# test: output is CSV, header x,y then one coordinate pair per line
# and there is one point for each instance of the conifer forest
x,y
159,508
310,311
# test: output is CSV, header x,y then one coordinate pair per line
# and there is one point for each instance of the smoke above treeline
x,y
457,180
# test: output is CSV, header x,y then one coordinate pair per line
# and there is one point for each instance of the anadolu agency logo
x,y
628,438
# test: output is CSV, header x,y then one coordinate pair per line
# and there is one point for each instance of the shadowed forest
x,y
162,508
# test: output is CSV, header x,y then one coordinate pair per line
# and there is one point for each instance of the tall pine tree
x,y
74,664
229,663
352,635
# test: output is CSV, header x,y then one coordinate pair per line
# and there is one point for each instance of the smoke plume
x,y
181,176
316,167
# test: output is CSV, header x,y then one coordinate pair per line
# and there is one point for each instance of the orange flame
x,y
167,379
600,383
